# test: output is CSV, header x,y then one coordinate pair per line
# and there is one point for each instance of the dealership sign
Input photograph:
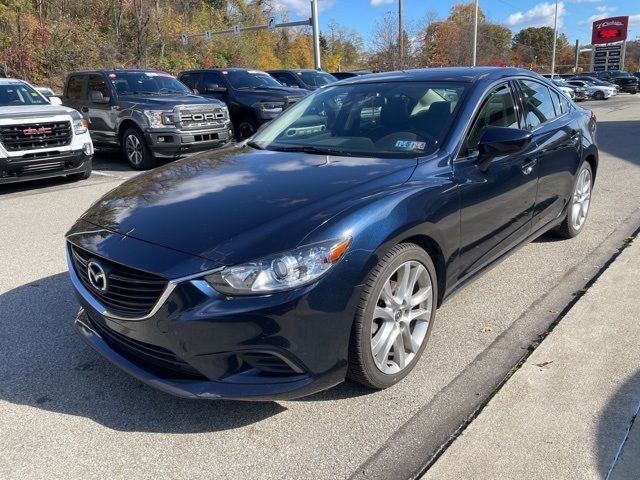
x,y
609,30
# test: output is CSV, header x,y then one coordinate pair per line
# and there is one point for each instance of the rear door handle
x,y
527,168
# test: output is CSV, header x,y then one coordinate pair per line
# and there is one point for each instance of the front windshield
x,y
248,79
18,93
317,79
391,119
147,83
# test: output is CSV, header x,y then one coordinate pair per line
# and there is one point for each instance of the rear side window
x,y
74,87
559,103
97,84
537,103
212,79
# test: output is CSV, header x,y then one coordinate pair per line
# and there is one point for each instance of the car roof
x,y
221,69
295,70
118,70
9,81
448,74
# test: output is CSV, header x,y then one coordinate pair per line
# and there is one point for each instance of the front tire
x,y
136,150
245,128
394,317
599,95
76,177
579,204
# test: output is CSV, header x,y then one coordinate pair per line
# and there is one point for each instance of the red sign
x,y
36,131
609,30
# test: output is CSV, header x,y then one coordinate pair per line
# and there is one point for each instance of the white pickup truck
x,y
39,138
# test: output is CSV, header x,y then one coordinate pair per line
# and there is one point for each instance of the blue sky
x,y
575,16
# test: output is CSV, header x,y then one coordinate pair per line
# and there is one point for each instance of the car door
x,y
557,137
496,205
98,110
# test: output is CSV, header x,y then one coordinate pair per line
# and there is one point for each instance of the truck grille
x,y
130,292
33,136
202,117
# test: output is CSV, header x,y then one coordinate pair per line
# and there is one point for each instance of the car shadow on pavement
x,y
45,365
619,413
628,151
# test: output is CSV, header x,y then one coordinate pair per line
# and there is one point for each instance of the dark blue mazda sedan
x,y
321,248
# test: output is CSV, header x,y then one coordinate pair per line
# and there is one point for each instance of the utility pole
x,y
316,34
575,67
475,35
401,32
555,37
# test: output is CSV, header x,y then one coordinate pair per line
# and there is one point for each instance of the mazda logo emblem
x,y
97,276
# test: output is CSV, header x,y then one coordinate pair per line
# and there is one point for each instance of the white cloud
x,y
539,16
377,3
303,7
634,20
585,1
604,13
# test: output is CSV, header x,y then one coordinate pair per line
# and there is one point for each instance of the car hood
x,y
33,111
168,101
240,204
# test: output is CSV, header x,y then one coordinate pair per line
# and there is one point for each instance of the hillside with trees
x,y
42,40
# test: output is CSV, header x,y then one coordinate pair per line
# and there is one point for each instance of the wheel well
x,y
124,126
591,160
433,249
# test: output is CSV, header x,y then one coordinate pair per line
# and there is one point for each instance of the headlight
x,y
80,126
271,107
281,272
158,118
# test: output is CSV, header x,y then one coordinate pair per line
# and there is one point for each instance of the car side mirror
x,y
55,101
500,141
214,88
97,97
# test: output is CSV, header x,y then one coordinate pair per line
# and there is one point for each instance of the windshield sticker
x,y
112,75
224,72
410,145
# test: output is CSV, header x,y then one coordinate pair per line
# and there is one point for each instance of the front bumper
x,y
172,143
201,344
44,165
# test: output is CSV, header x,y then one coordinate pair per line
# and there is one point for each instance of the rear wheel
x,y
599,95
394,318
136,150
579,204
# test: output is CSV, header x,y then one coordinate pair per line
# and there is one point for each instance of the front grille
x,y
130,292
150,354
202,117
33,136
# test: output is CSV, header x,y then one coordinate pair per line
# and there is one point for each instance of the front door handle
x,y
527,168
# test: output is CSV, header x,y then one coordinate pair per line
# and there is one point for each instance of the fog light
x,y
87,149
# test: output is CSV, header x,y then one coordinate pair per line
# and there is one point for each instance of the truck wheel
x,y
245,128
136,150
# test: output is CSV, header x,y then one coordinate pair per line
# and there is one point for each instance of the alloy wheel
x,y
133,148
401,317
581,199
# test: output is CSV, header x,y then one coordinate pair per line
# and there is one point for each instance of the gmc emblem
x,y
37,131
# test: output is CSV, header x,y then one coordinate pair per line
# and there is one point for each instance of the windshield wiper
x,y
312,149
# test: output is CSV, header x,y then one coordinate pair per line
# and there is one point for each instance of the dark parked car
x,y
322,247
303,78
626,81
253,96
147,113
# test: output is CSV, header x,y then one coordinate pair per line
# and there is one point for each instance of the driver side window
x,y
498,110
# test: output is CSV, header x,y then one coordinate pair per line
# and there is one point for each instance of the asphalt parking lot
x,y
67,413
